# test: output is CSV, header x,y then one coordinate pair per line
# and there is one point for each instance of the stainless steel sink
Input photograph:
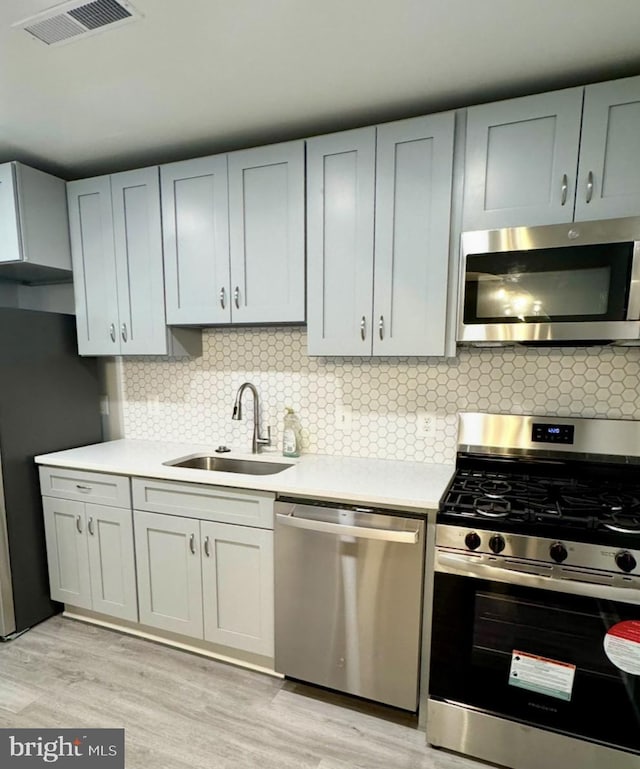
x,y
228,465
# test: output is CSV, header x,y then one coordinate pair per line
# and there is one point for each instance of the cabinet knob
x,y
564,189
79,523
112,332
223,298
192,544
124,332
236,297
207,547
363,328
381,327
90,526
589,186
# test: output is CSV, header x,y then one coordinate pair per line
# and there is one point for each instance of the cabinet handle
x,y
83,489
207,547
381,327
90,526
222,297
112,332
79,523
589,186
363,328
564,189
192,543
236,297
124,332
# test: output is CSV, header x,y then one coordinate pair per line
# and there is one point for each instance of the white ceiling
x,y
200,76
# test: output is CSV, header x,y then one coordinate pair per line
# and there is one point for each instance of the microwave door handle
x,y
326,527
469,567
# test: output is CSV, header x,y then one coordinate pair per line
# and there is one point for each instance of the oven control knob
x,y
472,540
625,561
497,543
558,552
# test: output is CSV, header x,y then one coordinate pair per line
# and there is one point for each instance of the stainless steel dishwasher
x,y
349,599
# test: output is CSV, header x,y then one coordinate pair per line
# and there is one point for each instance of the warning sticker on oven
x,y
542,675
622,646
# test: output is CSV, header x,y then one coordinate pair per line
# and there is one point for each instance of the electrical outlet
x,y
425,424
343,418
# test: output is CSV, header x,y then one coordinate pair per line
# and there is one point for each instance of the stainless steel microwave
x,y
554,284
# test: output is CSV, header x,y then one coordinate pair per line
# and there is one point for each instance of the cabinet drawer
x,y
98,488
209,503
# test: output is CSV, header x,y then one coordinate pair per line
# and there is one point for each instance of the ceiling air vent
x,y
73,20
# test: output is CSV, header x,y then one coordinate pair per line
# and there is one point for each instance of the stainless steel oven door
x,y
542,284
513,645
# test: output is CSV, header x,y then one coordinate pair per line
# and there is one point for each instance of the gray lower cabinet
x,y
378,216
206,580
205,562
233,228
90,554
116,243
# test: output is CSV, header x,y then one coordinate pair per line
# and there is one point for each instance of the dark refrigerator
x,y
49,401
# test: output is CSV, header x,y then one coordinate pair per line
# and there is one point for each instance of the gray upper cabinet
x,y
195,220
340,210
393,181
266,228
117,263
609,171
234,237
412,220
33,224
521,161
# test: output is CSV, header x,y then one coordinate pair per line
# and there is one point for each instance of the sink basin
x,y
228,465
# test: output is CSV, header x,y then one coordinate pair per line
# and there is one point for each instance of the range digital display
x,y
550,433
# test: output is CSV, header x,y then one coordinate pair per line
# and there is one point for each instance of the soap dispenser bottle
x,y
291,438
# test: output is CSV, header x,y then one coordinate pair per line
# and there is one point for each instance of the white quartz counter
x,y
389,483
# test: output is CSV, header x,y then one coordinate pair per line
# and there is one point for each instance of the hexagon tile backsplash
x,y
366,406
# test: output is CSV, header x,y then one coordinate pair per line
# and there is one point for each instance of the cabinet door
x,y
266,229
10,250
64,525
414,165
521,161
138,250
195,226
609,176
111,561
169,573
237,580
340,203
94,269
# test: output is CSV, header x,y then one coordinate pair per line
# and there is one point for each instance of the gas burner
x,y
492,508
618,502
623,523
494,489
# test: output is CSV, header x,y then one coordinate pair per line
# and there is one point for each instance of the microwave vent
x,y
73,20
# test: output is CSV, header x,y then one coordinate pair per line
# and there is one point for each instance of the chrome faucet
x,y
257,440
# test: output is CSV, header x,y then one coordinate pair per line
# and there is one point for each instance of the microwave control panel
x,y
550,433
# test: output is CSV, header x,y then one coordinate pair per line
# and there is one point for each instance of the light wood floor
x,y
181,711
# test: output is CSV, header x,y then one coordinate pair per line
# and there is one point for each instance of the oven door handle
x,y
449,563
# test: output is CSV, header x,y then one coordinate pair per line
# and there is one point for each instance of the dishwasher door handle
x,y
364,532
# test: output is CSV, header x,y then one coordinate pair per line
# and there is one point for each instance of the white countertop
x,y
389,483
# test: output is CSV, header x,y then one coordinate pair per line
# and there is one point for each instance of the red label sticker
x,y
622,646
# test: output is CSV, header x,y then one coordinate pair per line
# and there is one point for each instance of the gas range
x,y
552,492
